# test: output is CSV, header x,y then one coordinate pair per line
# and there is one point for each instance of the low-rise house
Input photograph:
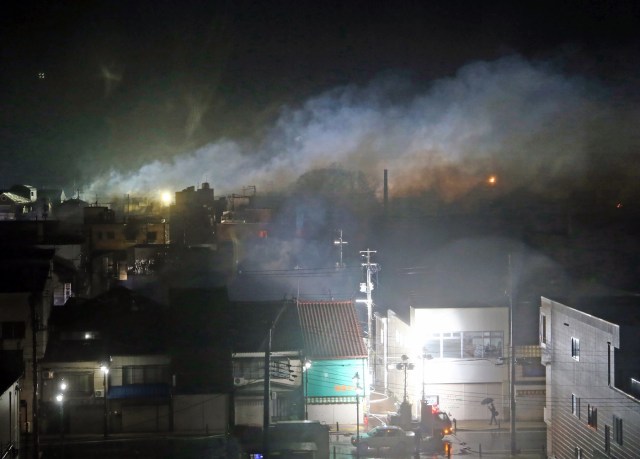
x,y
591,349
14,206
316,351
336,377
112,355
26,299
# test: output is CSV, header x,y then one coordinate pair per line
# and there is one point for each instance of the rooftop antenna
x,y
340,243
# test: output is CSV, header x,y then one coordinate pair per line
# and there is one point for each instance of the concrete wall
x,y
10,417
587,380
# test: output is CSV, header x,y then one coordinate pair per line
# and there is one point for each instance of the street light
x,y
105,425
405,365
60,400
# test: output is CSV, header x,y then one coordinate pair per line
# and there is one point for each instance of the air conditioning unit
x,y
239,381
99,393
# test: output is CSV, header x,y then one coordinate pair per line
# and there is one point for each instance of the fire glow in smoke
x,y
522,120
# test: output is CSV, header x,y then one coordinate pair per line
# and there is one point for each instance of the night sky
x,y
119,96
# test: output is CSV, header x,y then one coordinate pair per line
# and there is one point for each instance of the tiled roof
x,y
330,329
12,197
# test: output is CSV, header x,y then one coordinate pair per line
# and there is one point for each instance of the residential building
x,y
26,299
591,349
193,217
10,434
14,206
111,353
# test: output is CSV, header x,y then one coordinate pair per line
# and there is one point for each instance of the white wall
x,y
344,414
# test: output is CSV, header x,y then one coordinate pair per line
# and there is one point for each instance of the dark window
x,y
111,235
575,405
145,374
152,236
578,454
617,429
592,416
543,329
12,330
77,383
99,235
607,439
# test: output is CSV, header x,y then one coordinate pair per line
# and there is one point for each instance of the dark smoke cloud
x,y
527,122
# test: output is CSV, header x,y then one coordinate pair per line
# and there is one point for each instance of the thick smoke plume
x,y
526,122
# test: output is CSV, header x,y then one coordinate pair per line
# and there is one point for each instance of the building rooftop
x,y
330,329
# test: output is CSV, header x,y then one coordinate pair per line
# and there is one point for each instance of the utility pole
x,y
367,287
340,242
512,366
266,418
35,327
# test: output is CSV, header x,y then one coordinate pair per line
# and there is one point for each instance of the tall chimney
x,y
386,191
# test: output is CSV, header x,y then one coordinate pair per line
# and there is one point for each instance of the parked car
x,y
391,438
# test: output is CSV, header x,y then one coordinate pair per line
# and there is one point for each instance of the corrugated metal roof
x,y
330,329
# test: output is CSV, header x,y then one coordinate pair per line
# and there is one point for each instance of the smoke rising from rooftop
x,y
525,121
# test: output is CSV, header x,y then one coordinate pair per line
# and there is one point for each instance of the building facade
x,y
592,407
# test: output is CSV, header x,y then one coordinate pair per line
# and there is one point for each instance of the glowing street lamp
x,y
60,400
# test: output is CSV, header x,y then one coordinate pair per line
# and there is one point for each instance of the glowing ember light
x,y
166,198
619,205
492,180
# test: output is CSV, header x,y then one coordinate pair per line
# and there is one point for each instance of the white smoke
x,y
526,120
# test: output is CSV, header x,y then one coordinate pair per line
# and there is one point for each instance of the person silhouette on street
x,y
494,414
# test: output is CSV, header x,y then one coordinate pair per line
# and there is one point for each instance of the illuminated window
x,y
575,348
432,345
451,345
473,344
478,344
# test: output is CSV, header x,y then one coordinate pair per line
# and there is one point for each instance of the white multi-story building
x,y
457,357
590,351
